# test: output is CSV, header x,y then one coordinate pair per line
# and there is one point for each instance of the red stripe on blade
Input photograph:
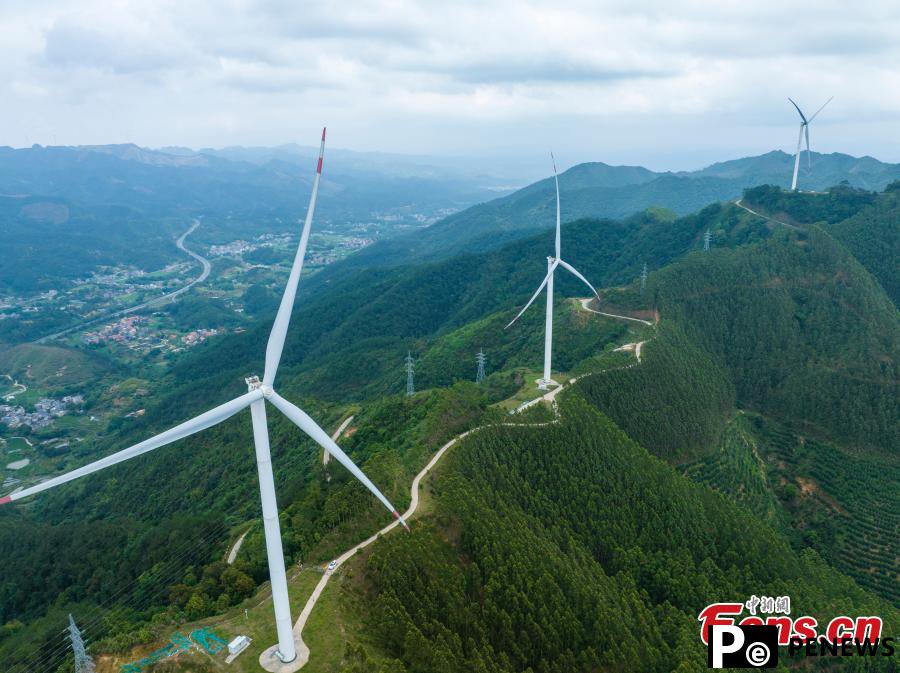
x,y
319,167
4,501
323,134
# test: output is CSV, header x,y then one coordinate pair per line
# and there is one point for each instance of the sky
x,y
669,85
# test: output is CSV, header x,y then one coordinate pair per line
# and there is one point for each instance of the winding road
x,y
337,433
204,274
19,388
268,660
584,305
233,552
766,217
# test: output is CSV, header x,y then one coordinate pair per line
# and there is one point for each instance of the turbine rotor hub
x,y
253,383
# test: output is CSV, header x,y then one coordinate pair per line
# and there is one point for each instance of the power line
x,y
164,575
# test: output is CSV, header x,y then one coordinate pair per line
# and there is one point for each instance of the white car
x,y
332,565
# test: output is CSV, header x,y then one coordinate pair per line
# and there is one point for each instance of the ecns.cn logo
x,y
743,646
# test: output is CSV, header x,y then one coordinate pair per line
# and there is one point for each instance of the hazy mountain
x,y
270,181
600,190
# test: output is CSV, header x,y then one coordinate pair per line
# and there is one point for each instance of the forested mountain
x,y
804,331
865,222
567,547
37,229
540,546
819,172
597,190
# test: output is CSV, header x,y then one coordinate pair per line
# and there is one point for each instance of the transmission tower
x,y
83,663
410,389
644,279
479,375
706,238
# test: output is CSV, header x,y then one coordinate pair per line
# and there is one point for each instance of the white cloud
x,y
672,84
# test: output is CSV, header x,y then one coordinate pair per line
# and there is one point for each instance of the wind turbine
x,y
258,393
552,263
804,129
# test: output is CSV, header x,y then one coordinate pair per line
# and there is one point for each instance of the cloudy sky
x,y
665,84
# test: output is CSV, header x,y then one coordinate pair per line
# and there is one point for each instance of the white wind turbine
x,y
804,129
258,393
552,263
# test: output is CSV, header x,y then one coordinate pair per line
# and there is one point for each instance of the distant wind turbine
x,y
255,398
552,263
804,130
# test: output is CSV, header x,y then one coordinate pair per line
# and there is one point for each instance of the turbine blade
x,y
573,270
798,110
821,108
195,425
311,428
283,317
556,180
535,295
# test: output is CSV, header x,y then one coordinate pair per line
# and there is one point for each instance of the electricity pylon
x,y
706,238
644,279
479,375
83,663
410,388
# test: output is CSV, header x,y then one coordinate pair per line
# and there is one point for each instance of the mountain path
x,y
267,659
584,305
766,217
235,548
337,433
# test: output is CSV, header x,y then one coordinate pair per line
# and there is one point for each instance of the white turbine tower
x,y
804,130
258,393
552,263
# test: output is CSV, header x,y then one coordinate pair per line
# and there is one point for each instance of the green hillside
x,y
567,548
805,332
49,240
842,504
543,545
51,367
863,221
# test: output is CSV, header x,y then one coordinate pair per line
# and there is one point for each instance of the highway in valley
x,y
156,301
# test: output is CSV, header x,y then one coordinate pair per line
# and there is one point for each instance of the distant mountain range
x,y
237,180
603,191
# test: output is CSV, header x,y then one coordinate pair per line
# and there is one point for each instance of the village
x,y
46,410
